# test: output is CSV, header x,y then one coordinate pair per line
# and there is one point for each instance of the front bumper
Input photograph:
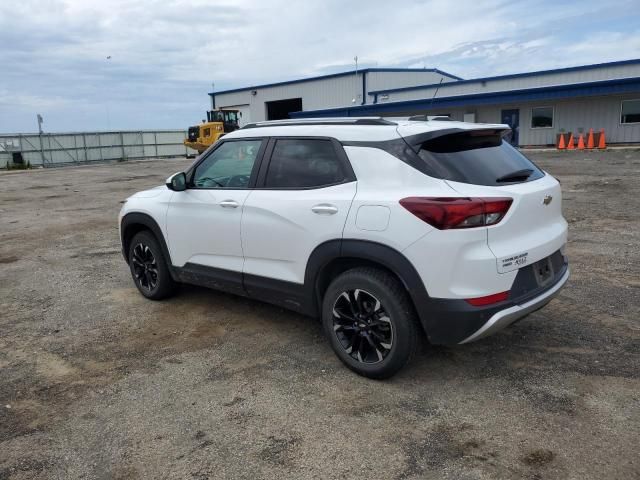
x,y
504,318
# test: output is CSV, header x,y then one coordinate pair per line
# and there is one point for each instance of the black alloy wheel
x,y
362,326
149,268
145,268
370,322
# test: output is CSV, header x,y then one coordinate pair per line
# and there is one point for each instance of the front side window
x,y
542,117
304,163
228,166
630,111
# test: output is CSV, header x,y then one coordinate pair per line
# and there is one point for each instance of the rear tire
x,y
370,322
149,267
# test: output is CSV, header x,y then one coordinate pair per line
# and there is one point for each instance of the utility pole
x,y
355,59
106,105
40,122
213,95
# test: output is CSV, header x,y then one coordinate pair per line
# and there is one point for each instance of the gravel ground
x,y
97,382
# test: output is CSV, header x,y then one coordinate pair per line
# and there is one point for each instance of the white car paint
x,y
280,228
530,227
203,227
271,233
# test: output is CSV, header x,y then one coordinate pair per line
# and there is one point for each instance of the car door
x,y
203,222
302,198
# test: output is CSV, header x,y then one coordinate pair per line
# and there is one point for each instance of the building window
x,y
542,117
630,111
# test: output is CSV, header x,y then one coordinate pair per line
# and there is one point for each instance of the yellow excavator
x,y
219,122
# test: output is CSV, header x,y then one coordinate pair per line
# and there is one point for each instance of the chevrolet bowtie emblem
x,y
547,199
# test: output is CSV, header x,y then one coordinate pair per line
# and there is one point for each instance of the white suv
x,y
383,229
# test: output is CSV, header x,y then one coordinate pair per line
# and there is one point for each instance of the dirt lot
x,y
97,382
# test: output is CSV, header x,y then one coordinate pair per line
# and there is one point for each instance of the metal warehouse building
x,y
537,105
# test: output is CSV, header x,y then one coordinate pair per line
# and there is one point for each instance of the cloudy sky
x,y
165,54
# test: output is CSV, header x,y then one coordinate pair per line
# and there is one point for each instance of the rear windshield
x,y
479,158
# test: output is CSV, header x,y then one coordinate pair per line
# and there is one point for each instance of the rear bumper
x,y
506,317
454,321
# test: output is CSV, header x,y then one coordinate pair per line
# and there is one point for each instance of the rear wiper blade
x,y
515,176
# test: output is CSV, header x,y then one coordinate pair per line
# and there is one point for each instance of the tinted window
x,y
630,111
542,117
228,166
477,158
303,164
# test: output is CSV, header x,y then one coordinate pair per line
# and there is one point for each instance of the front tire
x,y
149,267
370,322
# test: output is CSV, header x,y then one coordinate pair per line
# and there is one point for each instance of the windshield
x,y
215,116
478,158
230,117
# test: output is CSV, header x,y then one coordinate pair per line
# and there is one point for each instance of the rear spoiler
x,y
429,118
485,131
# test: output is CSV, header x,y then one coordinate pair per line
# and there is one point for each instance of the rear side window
x,y
304,163
478,158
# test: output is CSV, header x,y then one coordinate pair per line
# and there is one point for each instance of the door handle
x,y
324,209
229,204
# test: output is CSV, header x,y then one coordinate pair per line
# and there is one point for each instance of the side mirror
x,y
177,182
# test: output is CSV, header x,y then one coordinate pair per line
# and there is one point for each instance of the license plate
x,y
543,271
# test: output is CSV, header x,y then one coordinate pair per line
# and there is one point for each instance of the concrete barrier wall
x,y
51,149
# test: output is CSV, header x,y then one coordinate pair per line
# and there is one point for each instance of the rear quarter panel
x,y
383,180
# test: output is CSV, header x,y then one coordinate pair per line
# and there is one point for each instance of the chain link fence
x,y
57,149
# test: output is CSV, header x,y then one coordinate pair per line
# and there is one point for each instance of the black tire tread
x,y
166,285
393,287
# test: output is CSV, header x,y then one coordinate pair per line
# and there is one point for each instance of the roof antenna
x,y
435,93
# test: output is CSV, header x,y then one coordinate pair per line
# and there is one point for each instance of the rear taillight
x,y
458,212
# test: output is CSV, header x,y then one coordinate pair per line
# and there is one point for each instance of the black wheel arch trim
x,y
444,321
375,253
130,225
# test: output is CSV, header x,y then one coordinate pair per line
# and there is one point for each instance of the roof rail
x,y
322,121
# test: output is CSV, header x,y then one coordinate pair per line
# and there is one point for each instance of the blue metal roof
x,y
512,75
603,87
334,75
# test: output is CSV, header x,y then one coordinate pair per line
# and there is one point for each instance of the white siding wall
x,y
573,115
581,115
569,115
323,93
315,94
500,85
382,80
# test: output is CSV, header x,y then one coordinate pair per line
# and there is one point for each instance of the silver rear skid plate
x,y
506,317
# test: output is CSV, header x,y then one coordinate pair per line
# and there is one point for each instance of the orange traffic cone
x,y
571,143
580,142
601,142
561,145
590,143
